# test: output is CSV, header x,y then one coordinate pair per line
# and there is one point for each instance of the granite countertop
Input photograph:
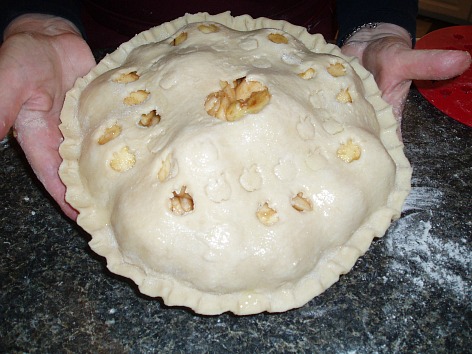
x,y
411,292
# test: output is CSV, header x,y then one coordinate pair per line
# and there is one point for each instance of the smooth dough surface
x,y
231,164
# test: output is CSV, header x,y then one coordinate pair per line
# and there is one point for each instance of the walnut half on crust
x,y
259,215
235,101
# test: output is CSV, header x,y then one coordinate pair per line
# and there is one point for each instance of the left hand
x,y
33,87
386,52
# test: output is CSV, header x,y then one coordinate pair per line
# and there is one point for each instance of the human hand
x,y
40,59
386,52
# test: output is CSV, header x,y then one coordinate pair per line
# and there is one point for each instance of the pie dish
x,y
231,164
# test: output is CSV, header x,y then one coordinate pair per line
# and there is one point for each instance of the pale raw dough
x,y
258,214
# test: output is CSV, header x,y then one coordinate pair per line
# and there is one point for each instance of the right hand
x,y
386,52
40,59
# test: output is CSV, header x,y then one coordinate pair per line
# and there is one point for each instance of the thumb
x,y
433,64
11,101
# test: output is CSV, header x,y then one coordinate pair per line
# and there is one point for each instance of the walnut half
x,y
267,215
182,202
123,160
344,96
109,134
307,74
149,119
277,38
164,171
182,37
300,203
127,77
349,152
208,28
136,97
337,69
235,101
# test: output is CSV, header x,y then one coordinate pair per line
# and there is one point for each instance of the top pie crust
x,y
226,170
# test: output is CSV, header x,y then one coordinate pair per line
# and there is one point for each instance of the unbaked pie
x,y
231,164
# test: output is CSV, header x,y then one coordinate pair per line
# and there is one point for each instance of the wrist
x,y
356,43
40,23
374,31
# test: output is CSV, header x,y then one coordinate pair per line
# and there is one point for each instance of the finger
x,y
40,141
11,99
396,96
433,64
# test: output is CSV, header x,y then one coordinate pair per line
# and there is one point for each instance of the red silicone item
x,y
453,97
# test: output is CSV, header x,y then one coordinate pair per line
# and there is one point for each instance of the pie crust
x,y
230,163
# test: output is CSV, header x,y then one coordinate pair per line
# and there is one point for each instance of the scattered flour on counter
x,y
423,257
423,198
5,143
110,322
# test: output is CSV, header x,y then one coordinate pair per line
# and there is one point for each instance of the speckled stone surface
x,y
411,292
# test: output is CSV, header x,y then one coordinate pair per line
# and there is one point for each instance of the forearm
x,y
40,23
356,44
352,14
65,9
